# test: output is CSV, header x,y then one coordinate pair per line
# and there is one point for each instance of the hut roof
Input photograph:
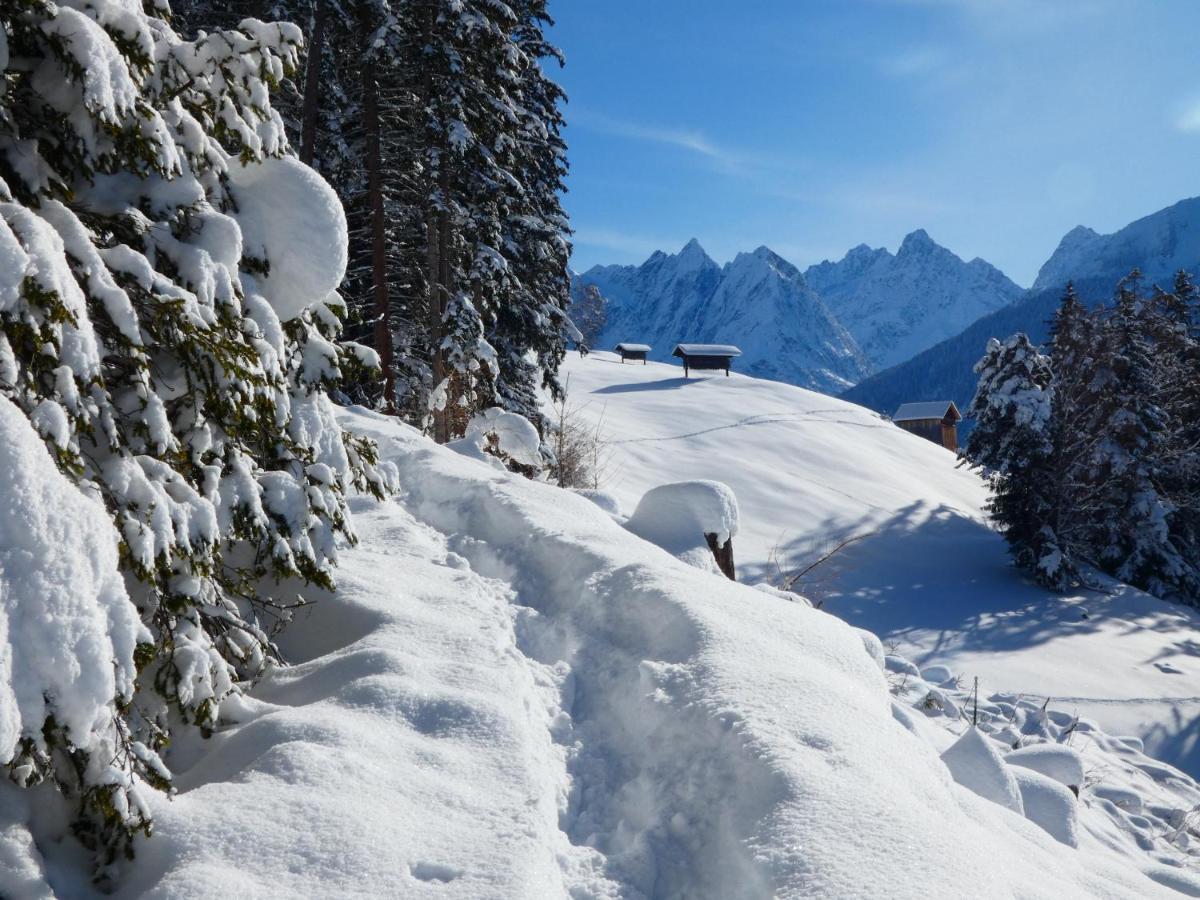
x,y
634,348
706,350
928,409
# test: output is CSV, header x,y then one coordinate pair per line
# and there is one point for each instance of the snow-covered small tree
x,y
168,324
1011,442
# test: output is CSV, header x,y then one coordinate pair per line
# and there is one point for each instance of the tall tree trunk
x,y
312,84
383,330
433,259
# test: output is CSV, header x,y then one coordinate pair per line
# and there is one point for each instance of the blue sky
x,y
815,125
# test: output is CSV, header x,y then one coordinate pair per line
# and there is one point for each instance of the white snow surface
x,y
290,215
510,695
930,577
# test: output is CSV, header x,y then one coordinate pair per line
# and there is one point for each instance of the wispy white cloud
x,y
691,140
1186,117
629,246
913,61
1013,16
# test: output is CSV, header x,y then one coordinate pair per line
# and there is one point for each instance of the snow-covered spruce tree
x,y
588,311
168,322
1173,318
526,326
1074,347
1011,443
1133,520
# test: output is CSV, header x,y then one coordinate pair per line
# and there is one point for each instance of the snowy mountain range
x,y
759,301
1159,244
826,328
895,306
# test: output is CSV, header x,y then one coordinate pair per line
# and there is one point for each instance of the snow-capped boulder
x,y
291,216
976,764
1049,805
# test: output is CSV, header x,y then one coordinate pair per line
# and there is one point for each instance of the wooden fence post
x,y
723,554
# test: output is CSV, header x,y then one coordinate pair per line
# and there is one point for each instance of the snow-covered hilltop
x,y
895,306
759,302
826,328
1159,244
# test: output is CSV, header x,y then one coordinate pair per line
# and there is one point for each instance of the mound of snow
x,y
68,630
677,517
1063,764
603,499
1049,805
976,764
290,215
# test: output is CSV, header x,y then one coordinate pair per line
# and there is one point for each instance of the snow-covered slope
x,y
897,306
512,696
759,302
931,576
1159,244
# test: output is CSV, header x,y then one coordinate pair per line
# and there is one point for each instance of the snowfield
x,y
512,695
929,577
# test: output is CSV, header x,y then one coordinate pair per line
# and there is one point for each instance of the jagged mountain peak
x,y
898,305
918,241
1159,244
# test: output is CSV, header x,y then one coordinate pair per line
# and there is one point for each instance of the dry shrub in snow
x,y
580,453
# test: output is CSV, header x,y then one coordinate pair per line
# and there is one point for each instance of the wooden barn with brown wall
x,y
934,420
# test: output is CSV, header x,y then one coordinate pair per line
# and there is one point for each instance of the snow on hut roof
x,y
928,409
634,348
706,350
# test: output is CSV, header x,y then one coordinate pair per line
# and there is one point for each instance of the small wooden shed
x,y
934,420
706,356
633,351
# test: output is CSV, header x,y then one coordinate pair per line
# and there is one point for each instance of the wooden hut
x,y
934,420
633,351
706,356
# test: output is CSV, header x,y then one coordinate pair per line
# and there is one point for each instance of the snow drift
x,y
524,699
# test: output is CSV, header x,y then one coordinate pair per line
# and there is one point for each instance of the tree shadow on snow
x,y
937,571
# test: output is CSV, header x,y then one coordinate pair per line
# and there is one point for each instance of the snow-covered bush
x,y
504,436
168,324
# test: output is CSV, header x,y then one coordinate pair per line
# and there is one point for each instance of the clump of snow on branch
x,y
290,216
68,633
